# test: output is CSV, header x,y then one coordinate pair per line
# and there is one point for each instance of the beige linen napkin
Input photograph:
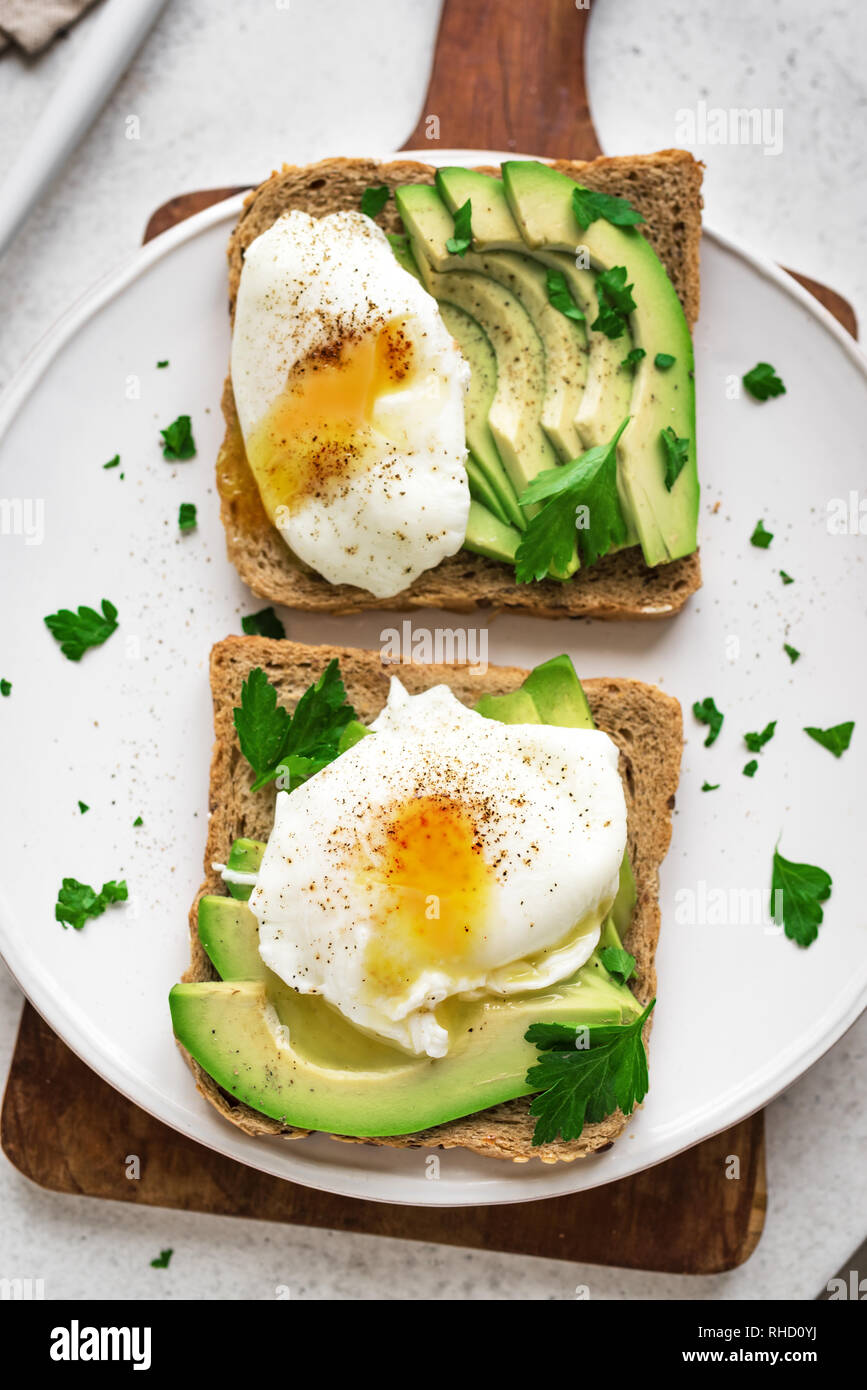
x,y
32,24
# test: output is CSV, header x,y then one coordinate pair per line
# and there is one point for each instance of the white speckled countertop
x,y
316,71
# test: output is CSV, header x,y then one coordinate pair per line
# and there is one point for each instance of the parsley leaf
x,y
664,360
588,205
163,1261
460,243
187,516
710,786
676,452
83,807
761,537
836,739
751,768
791,652
547,542
78,901
560,296
373,200
77,631
803,887
706,712
262,725
265,623
320,717
579,1083
617,962
137,822
5,687
786,578
178,442
756,742
112,463
762,382
588,482
164,363
633,357
615,301
295,747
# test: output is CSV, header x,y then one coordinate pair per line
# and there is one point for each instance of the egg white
x,y
311,282
550,842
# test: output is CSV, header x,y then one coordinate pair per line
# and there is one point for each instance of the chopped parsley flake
x,y
706,712
178,442
265,623
756,742
78,901
373,200
836,739
762,382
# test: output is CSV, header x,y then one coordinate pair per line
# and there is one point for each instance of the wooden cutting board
x,y
507,75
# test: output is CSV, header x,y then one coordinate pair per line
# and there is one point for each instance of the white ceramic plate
x,y
741,1013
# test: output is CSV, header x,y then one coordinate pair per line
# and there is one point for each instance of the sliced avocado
x,y
609,936
516,410
564,340
624,903
559,694
494,227
515,707
487,535
403,253
482,492
244,857
541,201
475,347
352,733
234,1030
605,400
230,934
608,388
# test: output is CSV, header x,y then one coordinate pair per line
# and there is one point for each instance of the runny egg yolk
x,y
319,432
431,891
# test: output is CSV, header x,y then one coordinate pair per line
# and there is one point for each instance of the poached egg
x,y
350,397
445,856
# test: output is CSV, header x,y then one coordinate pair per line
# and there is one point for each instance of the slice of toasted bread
x,y
644,723
666,189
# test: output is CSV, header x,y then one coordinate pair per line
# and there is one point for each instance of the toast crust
x,y
666,187
644,723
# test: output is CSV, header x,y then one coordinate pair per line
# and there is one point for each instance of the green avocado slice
x,y
245,857
665,518
487,535
475,347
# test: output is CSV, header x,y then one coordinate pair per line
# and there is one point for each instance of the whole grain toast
x,y
666,189
644,723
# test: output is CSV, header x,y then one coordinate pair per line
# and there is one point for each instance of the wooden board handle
x,y
509,75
